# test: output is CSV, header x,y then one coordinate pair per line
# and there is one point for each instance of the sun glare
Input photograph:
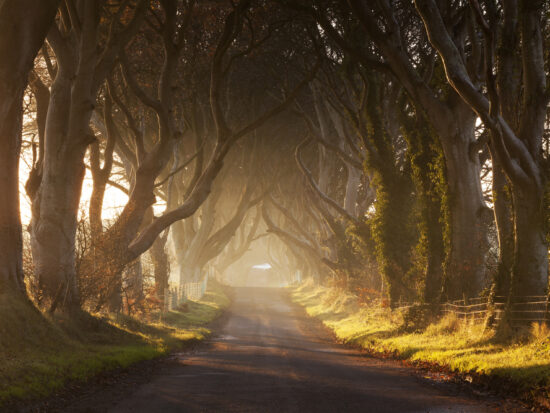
x,y
265,266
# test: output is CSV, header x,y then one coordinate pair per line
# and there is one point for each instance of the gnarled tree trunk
x,y
517,144
82,66
161,266
23,25
468,226
469,215
56,203
530,272
352,189
502,200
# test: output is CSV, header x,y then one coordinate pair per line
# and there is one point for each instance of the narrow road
x,y
269,358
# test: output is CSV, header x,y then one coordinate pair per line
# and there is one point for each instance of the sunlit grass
x,y
462,346
40,354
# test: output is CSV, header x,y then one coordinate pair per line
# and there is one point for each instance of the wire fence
x,y
176,296
519,310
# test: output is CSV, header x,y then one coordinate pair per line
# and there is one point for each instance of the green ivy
x,y
390,225
429,177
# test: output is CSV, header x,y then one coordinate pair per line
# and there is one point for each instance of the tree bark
x,y
502,200
188,245
352,189
517,144
53,229
530,274
114,296
133,283
24,26
469,216
101,174
161,266
430,180
56,202
82,68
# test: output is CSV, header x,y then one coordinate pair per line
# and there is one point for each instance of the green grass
x,y
461,346
40,354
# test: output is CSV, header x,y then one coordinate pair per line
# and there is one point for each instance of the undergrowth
x,y
458,345
39,353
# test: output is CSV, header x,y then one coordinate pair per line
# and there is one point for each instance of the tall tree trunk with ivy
x,y
510,36
391,225
429,177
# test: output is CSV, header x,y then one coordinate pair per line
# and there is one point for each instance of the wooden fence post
x,y
166,300
547,314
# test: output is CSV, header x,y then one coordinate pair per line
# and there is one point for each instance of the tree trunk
x,y
530,273
96,208
161,266
502,200
430,180
81,68
392,233
114,300
23,26
100,177
519,149
188,242
11,243
53,229
466,266
56,202
352,189
436,258
133,281
469,216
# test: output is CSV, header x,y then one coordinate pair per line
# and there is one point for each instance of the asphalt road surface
x,y
268,357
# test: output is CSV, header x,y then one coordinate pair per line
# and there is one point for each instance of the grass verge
x,y
40,354
521,364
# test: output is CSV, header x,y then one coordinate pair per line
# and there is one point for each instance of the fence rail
x,y
521,309
176,296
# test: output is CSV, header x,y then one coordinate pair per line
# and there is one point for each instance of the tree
x,y
239,244
86,41
128,239
516,135
380,37
23,26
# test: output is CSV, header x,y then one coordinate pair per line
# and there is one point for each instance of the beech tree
x,y
86,41
244,237
24,27
380,37
376,144
512,34
200,239
131,240
89,40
